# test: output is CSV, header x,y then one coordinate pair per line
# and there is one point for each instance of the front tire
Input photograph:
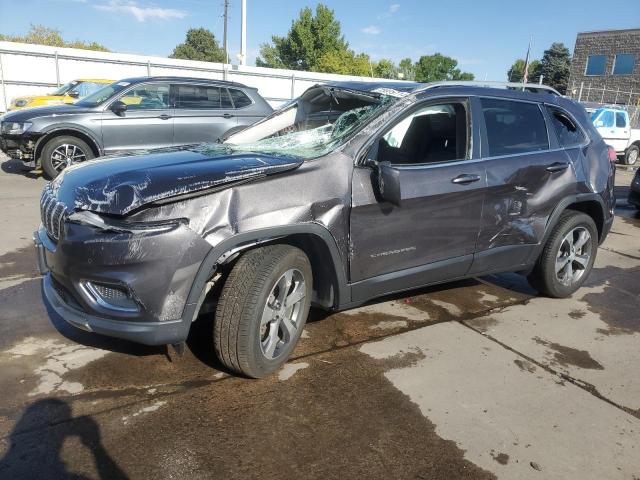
x,y
631,155
262,310
567,257
61,152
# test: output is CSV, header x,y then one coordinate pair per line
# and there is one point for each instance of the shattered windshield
x,y
317,123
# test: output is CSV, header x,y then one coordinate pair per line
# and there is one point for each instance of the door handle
x,y
466,178
557,167
164,116
227,115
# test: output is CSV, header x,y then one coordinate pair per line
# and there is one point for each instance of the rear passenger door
x,y
203,113
527,175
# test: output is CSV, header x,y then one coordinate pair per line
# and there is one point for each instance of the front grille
x,y
52,213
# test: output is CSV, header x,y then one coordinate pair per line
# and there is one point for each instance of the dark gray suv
x,y
132,115
353,191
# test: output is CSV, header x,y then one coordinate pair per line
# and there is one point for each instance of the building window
x,y
596,64
624,64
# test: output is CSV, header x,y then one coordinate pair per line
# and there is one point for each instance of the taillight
x,y
613,156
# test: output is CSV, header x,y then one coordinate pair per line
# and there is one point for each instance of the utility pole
x,y
226,45
243,34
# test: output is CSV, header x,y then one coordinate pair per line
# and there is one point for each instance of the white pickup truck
x,y
614,127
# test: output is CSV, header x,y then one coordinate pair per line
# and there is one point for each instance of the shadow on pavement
x,y
16,167
37,454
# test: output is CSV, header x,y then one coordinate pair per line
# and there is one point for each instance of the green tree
x,y
385,68
41,35
407,69
314,42
200,44
438,67
555,67
516,72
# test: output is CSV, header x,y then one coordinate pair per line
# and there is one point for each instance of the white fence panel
x,y
36,70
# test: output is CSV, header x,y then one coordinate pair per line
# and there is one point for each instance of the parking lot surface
x,y
474,379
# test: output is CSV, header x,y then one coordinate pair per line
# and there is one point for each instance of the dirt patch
x,y
483,324
334,420
619,302
525,366
567,356
501,458
577,314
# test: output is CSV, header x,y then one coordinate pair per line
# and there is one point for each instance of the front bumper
x,y
158,276
20,147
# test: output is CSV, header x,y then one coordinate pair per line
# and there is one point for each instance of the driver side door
x,y
147,122
431,235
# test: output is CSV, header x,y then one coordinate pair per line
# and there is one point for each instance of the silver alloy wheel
x,y
282,313
65,155
573,256
633,157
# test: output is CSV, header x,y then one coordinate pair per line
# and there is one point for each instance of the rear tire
x,y
631,155
262,309
60,152
567,257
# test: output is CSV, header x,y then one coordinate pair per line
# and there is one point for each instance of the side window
x,y
513,127
147,97
87,88
199,97
240,99
225,99
621,120
437,133
605,120
568,133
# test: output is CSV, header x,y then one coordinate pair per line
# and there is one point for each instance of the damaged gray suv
x,y
354,191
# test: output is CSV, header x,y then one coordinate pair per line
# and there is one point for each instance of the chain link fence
x,y
594,96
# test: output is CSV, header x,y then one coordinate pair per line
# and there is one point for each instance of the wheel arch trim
x,y
238,243
66,130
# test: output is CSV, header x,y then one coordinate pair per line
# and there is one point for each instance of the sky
x,y
485,36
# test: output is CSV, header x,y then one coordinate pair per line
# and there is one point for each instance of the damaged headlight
x,y
15,128
120,226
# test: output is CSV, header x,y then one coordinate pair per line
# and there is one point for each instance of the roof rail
x,y
531,87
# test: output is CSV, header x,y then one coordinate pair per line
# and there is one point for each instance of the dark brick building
x,y
606,67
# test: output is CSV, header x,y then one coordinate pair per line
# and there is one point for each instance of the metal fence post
x,y
602,98
616,100
4,91
293,85
580,95
55,56
148,68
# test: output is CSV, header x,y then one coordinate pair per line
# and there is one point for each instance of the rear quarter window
x,y
240,99
513,127
568,132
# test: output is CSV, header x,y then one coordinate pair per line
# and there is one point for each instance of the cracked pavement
x,y
473,379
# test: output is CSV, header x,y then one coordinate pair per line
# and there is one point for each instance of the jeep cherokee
x,y
354,191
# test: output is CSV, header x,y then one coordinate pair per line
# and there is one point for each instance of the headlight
x,y
120,226
15,128
21,103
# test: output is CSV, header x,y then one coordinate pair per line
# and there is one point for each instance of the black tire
x,y
544,277
238,334
48,163
631,155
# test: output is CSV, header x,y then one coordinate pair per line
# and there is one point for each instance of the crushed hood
x,y
118,186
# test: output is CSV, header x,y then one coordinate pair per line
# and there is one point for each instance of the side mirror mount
x,y
389,183
118,108
74,94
